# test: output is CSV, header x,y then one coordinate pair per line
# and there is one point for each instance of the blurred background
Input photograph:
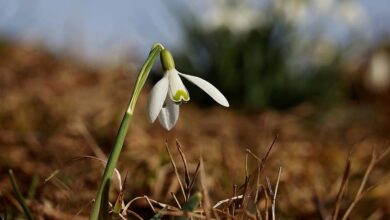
x,y
315,72
276,54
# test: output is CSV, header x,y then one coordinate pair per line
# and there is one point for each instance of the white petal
x,y
208,88
157,98
169,115
177,90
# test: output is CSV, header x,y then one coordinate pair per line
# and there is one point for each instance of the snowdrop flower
x,y
170,91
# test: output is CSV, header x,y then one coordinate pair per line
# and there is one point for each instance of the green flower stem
x,y
113,158
19,195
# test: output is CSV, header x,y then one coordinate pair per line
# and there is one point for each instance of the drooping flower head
x,y
170,91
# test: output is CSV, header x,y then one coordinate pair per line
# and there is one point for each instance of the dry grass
x,y
53,110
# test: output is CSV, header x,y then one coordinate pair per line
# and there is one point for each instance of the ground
x,y
54,111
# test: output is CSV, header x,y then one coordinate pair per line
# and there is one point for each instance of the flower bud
x,y
167,61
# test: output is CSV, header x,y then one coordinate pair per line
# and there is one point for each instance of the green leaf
x,y
191,205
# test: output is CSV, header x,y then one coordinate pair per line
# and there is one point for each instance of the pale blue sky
x,y
97,25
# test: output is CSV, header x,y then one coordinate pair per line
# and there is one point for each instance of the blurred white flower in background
x,y
352,13
323,6
238,18
293,11
378,77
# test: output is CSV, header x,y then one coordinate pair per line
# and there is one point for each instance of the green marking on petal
x,y
181,95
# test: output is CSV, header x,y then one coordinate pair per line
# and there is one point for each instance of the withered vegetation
x,y
58,120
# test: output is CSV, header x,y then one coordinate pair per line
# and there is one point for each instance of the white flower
x,y
170,91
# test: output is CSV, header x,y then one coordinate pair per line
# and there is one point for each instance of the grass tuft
x,y
19,195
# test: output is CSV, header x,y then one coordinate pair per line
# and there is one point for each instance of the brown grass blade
x,y
183,158
361,191
343,185
176,171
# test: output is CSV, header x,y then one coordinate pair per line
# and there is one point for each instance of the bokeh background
x,y
314,72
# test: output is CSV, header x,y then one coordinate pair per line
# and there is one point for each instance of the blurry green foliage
x,y
252,68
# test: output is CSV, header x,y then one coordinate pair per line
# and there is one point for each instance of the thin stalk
x,y
33,187
19,195
114,155
275,193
